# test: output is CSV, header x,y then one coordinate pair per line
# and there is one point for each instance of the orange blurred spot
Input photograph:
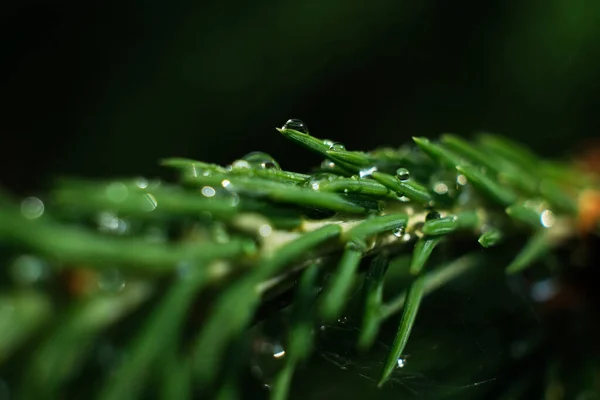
x,y
589,211
82,281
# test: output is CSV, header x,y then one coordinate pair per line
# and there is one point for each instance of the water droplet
x,y
355,177
432,215
547,218
117,192
208,191
399,231
367,172
265,230
440,188
142,182
337,147
27,269
151,203
327,164
403,198
328,143
32,207
240,164
109,222
296,125
402,174
111,280
258,159
315,181
401,362
461,179
234,200
278,350
226,183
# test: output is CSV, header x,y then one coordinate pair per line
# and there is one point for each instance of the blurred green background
x,y
107,88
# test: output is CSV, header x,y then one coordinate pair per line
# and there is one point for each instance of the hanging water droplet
x,y
32,207
278,350
296,124
27,269
402,174
111,280
364,173
337,147
258,159
398,231
401,362
432,215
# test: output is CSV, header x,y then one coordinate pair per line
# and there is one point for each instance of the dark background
x,y
108,88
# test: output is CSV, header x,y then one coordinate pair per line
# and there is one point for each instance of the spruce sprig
x,y
239,235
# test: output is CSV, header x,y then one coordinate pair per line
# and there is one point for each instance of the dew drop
x,y
337,147
367,172
110,223
440,188
296,124
315,181
327,164
402,174
111,281
328,143
265,230
240,164
432,215
461,180
32,207
401,362
151,203
258,159
142,182
403,198
27,269
278,351
547,218
208,191
117,192
398,231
